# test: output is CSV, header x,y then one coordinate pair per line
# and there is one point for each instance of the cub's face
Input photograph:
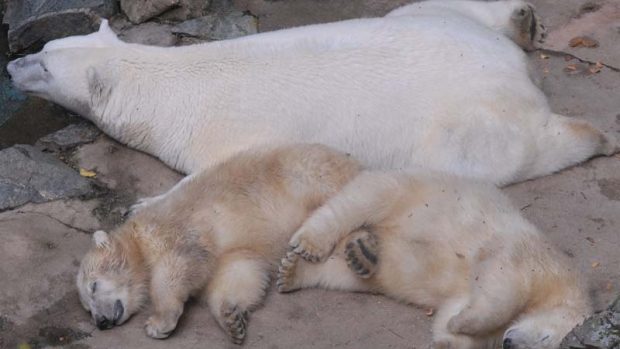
x,y
542,330
108,287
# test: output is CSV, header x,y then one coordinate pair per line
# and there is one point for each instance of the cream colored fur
x,y
218,234
442,85
450,244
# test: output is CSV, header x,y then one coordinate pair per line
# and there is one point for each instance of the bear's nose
x,y
103,323
507,343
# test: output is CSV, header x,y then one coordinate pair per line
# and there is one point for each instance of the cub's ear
x,y
101,239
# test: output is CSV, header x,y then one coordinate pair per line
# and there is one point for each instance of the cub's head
x,y
111,282
543,329
62,70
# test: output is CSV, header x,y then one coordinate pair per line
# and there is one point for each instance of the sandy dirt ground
x,y
578,209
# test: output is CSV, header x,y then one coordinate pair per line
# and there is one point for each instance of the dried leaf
x,y
596,68
583,41
609,286
596,264
544,56
87,173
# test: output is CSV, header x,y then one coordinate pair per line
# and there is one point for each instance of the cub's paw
x,y
159,327
361,253
467,323
286,273
311,245
141,204
528,27
443,344
235,322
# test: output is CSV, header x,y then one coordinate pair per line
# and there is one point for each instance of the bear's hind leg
x,y
334,273
526,27
361,251
568,141
238,285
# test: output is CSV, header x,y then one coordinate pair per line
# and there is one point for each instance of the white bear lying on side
x,y
452,245
218,236
439,84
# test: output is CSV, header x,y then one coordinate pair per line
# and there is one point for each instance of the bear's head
x,y
544,328
112,281
62,71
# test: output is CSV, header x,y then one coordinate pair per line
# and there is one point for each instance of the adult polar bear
x,y
439,84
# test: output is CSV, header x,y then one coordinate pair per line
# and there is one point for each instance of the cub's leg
x,y
368,198
567,141
443,338
496,295
174,278
334,273
239,284
361,253
145,202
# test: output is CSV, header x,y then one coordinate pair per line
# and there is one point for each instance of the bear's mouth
x,y
119,309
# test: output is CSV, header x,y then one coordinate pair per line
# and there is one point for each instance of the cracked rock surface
x,y
600,331
34,22
28,175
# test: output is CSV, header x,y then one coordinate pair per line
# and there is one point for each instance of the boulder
x,y
68,137
139,11
600,331
150,33
32,23
217,26
187,9
29,175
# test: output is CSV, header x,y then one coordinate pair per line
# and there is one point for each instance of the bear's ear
x,y
99,88
101,239
105,30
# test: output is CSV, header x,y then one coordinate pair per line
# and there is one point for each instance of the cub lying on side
x,y
219,233
456,246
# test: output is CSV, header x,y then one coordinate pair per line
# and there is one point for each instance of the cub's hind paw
x,y
361,253
235,323
310,245
286,273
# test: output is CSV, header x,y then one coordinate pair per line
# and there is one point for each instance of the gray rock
x,y
69,137
150,33
139,11
600,331
35,22
28,175
187,9
218,26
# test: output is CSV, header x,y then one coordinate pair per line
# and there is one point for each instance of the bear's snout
x,y
103,323
10,68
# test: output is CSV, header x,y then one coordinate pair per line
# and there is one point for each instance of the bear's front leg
x,y
238,285
174,278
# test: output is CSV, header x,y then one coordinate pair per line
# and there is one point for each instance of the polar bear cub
x,y
218,235
449,244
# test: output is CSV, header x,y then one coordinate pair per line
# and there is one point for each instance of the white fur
x,y
444,89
